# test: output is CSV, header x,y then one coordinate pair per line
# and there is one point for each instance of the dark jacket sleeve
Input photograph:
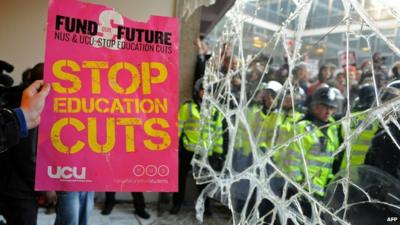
x,y
383,152
9,129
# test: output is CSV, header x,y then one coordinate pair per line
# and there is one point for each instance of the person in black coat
x,y
18,199
15,122
383,152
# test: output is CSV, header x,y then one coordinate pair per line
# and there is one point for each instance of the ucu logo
x,y
66,172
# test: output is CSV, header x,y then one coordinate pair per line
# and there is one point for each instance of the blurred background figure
x,y
300,76
379,64
202,57
259,70
283,72
324,74
228,61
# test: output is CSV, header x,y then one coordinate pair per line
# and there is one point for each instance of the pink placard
x,y
110,121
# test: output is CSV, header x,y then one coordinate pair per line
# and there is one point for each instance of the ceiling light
x,y
365,49
320,50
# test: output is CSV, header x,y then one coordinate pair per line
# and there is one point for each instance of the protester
x,y
73,208
18,199
15,123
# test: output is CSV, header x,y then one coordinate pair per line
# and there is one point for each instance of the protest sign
x,y
110,121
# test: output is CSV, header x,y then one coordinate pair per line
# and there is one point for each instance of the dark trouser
x,y
19,211
138,200
184,167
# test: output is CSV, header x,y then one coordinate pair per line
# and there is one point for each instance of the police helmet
x,y
394,84
325,96
392,90
274,87
298,93
366,96
395,70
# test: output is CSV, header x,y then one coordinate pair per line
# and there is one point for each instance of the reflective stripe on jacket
x,y
207,135
319,148
260,130
285,133
359,143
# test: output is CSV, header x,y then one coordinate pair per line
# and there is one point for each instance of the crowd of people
x,y
301,117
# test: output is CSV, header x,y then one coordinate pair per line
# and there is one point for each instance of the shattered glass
x,y
189,6
252,180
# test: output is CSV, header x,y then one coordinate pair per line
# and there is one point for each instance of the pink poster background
x,y
116,170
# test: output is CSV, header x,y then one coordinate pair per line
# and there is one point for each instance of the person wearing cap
x,y
264,122
361,142
194,135
253,77
319,139
261,117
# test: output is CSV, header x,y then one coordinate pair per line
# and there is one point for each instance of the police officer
x,y
360,143
261,119
383,152
289,117
262,122
268,117
191,134
320,141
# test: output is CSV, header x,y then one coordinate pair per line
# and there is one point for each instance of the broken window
x,y
262,41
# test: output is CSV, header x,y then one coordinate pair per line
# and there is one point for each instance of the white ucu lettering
x,y
66,172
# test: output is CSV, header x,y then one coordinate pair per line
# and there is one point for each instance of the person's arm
x,y
32,102
15,123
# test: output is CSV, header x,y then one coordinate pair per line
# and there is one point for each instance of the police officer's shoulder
x,y
331,120
188,102
186,105
306,125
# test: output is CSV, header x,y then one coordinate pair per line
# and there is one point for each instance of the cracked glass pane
x,y
189,6
307,105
